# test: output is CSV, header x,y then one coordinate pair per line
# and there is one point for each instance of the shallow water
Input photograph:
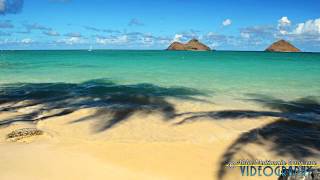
x,y
223,75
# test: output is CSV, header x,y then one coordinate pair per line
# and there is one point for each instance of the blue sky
x,y
146,24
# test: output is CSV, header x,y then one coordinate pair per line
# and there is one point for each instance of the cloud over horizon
x,y
227,22
305,34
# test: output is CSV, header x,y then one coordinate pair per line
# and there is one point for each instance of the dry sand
x,y
143,147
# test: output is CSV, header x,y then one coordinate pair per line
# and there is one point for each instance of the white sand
x,y
142,147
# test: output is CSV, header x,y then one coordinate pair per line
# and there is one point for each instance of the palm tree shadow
x,y
115,102
298,140
295,133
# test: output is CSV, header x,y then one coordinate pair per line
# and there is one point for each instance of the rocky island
x,y
192,45
282,46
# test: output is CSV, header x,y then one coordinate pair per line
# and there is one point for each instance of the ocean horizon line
x,y
315,52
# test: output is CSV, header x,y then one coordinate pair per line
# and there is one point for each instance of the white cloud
x,y
283,32
36,26
308,27
73,34
283,25
102,41
177,38
258,32
26,41
148,40
214,45
163,41
71,41
283,22
112,40
227,22
134,39
215,40
245,35
51,33
121,39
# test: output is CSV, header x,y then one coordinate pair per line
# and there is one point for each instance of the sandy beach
x,y
144,146
159,90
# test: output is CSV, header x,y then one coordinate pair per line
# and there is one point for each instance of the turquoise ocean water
x,y
219,73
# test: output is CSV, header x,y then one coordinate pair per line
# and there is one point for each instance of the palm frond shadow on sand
x,y
295,133
115,102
